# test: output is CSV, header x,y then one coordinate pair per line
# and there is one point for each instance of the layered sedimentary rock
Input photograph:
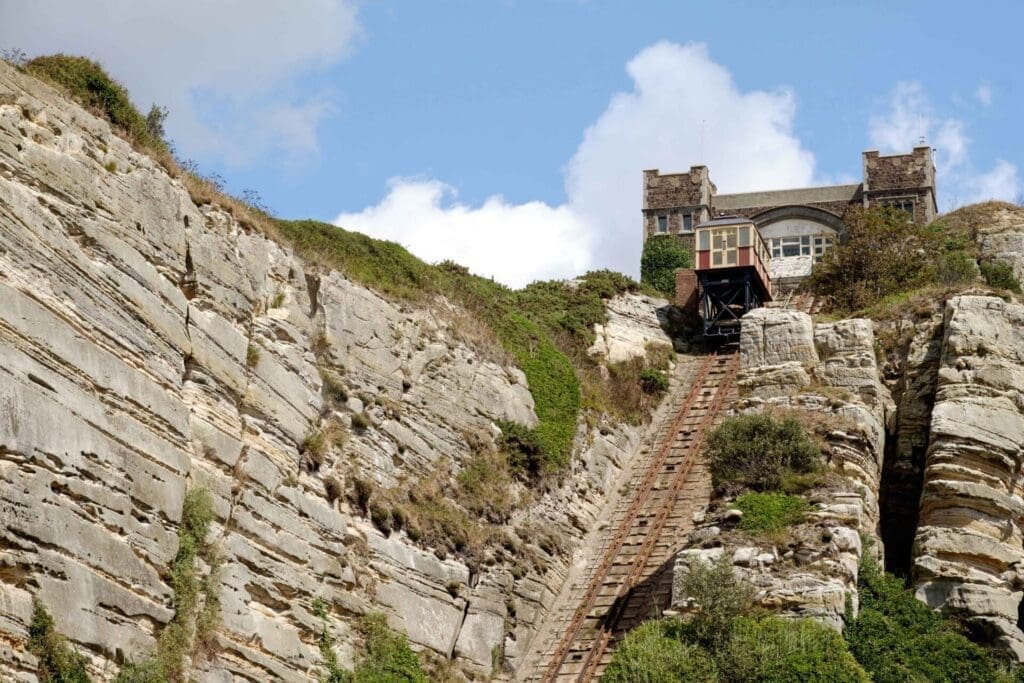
x,y
828,375
969,551
630,327
149,346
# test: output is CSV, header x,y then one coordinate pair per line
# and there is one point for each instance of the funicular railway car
x,y
732,274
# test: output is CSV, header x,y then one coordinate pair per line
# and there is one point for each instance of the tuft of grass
x,y
196,600
252,355
57,661
769,513
110,166
361,421
92,87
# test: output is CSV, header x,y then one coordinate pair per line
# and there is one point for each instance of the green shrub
x,y
759,451
386,656
654,653
884,253
897,638
58,662
91,86
954,268
662,256
770,512
788,651
720,597
654,381
1000,275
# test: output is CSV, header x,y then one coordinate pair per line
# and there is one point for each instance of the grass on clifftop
x,y
545,327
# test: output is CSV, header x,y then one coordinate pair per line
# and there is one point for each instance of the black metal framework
x,y
725,295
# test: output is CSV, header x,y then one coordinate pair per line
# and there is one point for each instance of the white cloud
x,y
677,91
984,94
911,116
236,57
514,243
1002,182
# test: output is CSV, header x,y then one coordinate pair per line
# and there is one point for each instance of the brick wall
x,y
686,289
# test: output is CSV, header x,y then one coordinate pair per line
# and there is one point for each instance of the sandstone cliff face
x,y
149,345
828,374
969,551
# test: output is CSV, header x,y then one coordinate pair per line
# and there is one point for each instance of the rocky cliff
x,y
150,345
952,445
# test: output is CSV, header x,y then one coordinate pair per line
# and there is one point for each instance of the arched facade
x,y
796,230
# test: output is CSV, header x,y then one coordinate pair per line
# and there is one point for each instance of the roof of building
x,y
803,195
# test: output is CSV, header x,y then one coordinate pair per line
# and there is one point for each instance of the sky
x,y
511,135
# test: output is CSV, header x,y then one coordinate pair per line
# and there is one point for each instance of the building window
x,y
662,224
687,222
798,245
822,243
901,205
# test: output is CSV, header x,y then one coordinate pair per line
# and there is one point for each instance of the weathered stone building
x,y
798,225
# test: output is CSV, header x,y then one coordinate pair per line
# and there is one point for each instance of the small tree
x,y
884,253
663,255
720,597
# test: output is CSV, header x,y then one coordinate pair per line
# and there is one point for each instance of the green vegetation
x,y
196,600
885,254
252,355
86,82
724,641
788,651
545,327
655,652
663,255
767,513
897,638
759,451
721,598
58,662
385,656
1000,275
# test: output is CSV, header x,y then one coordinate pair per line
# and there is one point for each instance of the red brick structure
x,y
686,289
798,225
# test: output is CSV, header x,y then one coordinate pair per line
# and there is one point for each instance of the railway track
x,y
630,577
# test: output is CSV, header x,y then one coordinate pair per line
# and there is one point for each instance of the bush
x,y
386,656
897,638
885,253
58,662
654,381
770,512
654,653
788,651
759,451
720,597
1000,275
662,256
93,88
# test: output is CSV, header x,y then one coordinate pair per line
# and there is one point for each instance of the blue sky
x,y
511,135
